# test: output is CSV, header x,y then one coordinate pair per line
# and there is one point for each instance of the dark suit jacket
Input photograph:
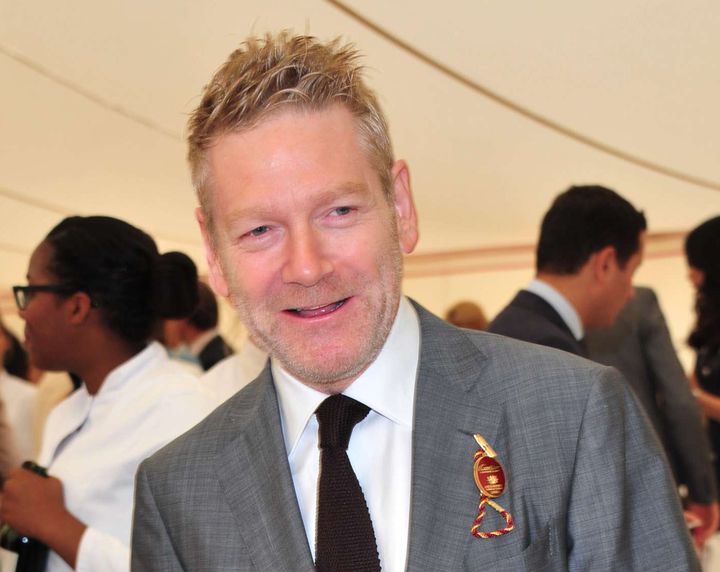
x,y
639,345
530,318
214,351
588,486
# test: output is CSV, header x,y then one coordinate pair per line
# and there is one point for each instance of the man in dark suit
x,y
306,215
639,345
198,333
591,243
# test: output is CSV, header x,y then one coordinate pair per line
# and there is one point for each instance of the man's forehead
x,y
346,191
320,146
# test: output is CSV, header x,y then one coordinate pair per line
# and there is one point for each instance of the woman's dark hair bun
x,y
119,266
176,290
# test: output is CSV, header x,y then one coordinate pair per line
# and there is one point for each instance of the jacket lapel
x,y
449,410
534,303
254,473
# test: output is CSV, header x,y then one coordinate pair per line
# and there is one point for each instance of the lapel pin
x,y
490,480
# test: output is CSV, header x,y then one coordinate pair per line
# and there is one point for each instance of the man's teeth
x,y
312,311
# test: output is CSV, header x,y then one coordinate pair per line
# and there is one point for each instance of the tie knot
x,y
337,416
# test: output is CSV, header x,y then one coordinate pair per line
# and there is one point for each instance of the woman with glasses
x,y
97,287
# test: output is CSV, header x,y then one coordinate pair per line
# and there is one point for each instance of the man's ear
x,y
604,262
78,307
215,273
404,207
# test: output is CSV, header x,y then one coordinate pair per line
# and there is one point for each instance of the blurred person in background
x,y
468,315
18,394
15,359
96,288
639,345
702,250
590,245
198,333
9,455
51,387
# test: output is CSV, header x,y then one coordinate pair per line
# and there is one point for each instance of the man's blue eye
x,y
342,210
259,230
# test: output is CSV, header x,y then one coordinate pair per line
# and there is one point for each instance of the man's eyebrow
x,y
340,191
331,194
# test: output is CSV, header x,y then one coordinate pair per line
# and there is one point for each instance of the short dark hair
x,y
205,316
582,221
119,267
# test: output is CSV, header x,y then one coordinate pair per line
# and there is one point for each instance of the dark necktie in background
x,y
345,540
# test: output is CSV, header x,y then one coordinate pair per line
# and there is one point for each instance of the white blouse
x,y
94,445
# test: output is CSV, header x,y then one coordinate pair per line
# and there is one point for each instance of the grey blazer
x,y
639,345
588,486
530,318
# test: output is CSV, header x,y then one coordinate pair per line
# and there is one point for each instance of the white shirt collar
x,y
202,340
561,305
118,377
387,386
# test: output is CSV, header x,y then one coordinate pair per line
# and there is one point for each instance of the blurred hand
x,y
31,503
35,506
709,516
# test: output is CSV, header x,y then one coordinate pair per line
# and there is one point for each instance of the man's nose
x,y
306,260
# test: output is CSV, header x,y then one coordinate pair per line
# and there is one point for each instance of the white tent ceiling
x,y
95,97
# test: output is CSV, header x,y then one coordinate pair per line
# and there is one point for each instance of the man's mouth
x,y
315,311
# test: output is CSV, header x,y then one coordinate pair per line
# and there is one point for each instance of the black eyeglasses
x,y
23,294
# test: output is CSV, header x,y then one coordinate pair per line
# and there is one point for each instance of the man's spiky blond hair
x,y
267,75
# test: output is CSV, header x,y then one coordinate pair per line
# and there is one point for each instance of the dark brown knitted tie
x,y
345,539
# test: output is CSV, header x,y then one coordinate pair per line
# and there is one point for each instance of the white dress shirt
x,y
560,304
380,448
19,398
53,387
94,445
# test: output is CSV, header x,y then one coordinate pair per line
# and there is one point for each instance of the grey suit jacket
x,y
530,318
587,484
639,345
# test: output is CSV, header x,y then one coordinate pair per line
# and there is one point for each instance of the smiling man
x,y
373,439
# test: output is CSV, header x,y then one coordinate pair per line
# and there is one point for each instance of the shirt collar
x,y
561,305
118,377
387,386
202,340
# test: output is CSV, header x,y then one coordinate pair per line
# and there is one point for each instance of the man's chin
x,y
325,374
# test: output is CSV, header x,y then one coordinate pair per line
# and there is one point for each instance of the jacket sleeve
x,y
152,549
679,409
623,512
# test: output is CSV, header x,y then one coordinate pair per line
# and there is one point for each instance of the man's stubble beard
x,y
379,321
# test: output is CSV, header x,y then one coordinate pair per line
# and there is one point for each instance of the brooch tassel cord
x,y
490,479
